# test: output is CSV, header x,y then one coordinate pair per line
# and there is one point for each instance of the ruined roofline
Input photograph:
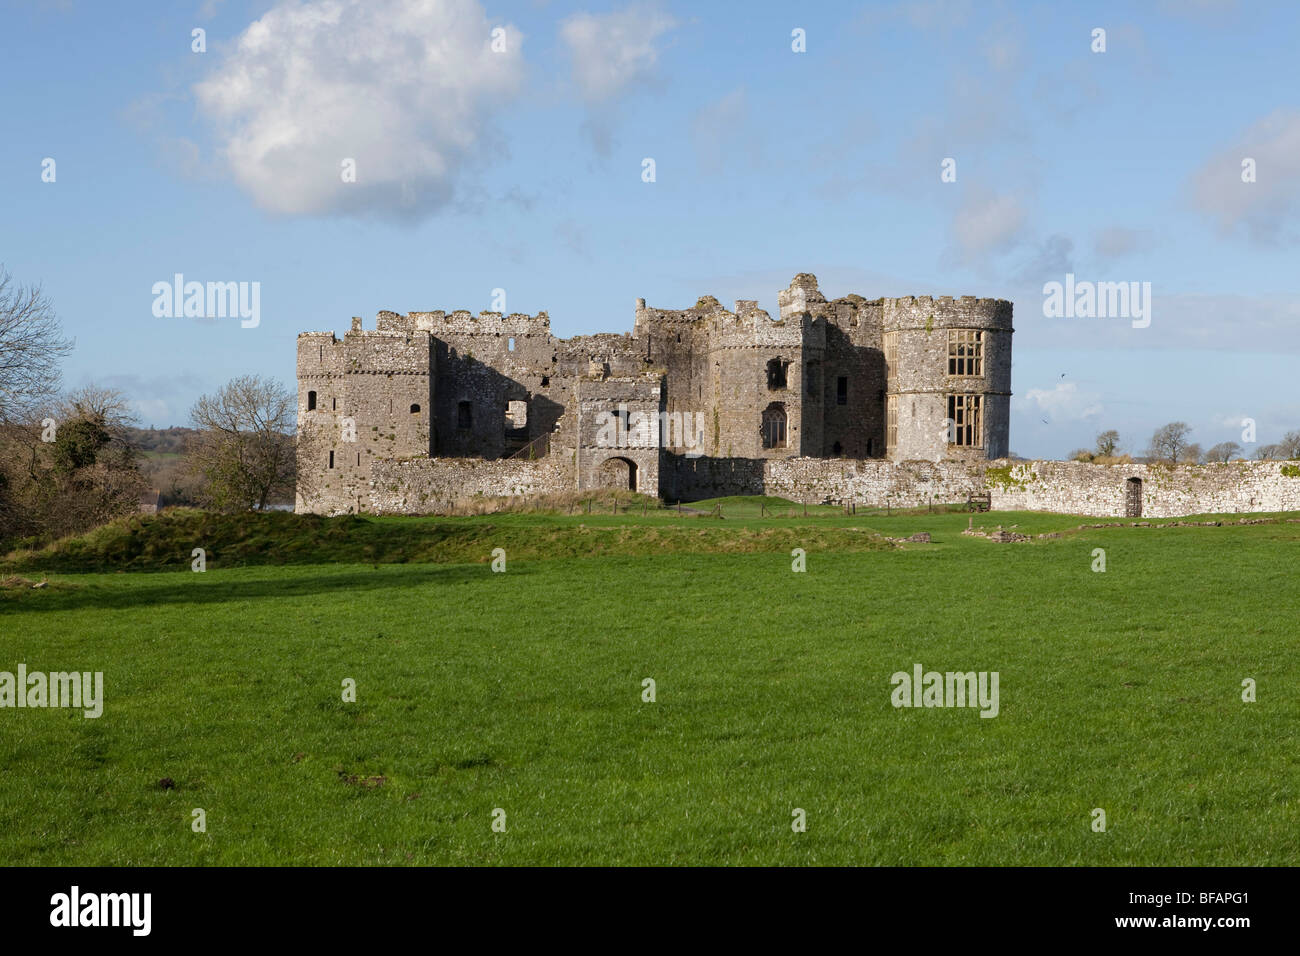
x,y
944,300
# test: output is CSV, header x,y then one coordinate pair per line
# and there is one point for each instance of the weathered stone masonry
x,y
1067,487
721,393
899,402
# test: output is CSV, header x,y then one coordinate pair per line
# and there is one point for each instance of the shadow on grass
x,y
213,587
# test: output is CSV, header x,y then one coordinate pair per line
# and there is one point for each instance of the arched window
x,y
311,401
415,409
774,426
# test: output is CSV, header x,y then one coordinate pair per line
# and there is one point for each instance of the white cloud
x,y
612,51
612,54
406,88
1267,210
1061,403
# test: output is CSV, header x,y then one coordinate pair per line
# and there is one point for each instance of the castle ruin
x,y
689,396
899,402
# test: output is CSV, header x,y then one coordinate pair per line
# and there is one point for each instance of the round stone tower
x,y
948,378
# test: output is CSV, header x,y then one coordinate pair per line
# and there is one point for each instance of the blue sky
x,y
522,170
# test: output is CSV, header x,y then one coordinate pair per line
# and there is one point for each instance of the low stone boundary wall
x,y
1065,487
418,486
872,482
431,485
1166,491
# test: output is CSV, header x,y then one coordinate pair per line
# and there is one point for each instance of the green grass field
x,y
523,691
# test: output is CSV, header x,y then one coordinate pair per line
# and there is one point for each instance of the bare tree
x,y
1270,452
245,449
1289,446
1107,443
1224,451
1170,442
31,346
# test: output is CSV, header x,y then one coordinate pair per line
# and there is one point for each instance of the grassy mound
x,y
166,542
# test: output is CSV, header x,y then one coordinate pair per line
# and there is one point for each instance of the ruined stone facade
x,y
693,402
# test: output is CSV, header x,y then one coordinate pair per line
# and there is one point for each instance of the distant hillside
x,y
166,441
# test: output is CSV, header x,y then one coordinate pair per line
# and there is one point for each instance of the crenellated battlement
x,y
739,387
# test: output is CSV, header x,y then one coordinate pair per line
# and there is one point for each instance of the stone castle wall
x,y
810,383
1063,487
421,486
433,485
1072,487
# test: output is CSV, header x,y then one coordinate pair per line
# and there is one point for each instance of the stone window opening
x,y
964,412
358,459
331,459
334,404
415,409
891,355
776,373
464,415
811,374
891,425
837,449
510,344
842,390
546,380
311,401
516,414
774,426
966,352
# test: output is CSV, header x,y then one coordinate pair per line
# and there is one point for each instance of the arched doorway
x,y
1133,498
617,473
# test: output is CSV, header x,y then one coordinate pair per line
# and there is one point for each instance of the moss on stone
x,y
1008,477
